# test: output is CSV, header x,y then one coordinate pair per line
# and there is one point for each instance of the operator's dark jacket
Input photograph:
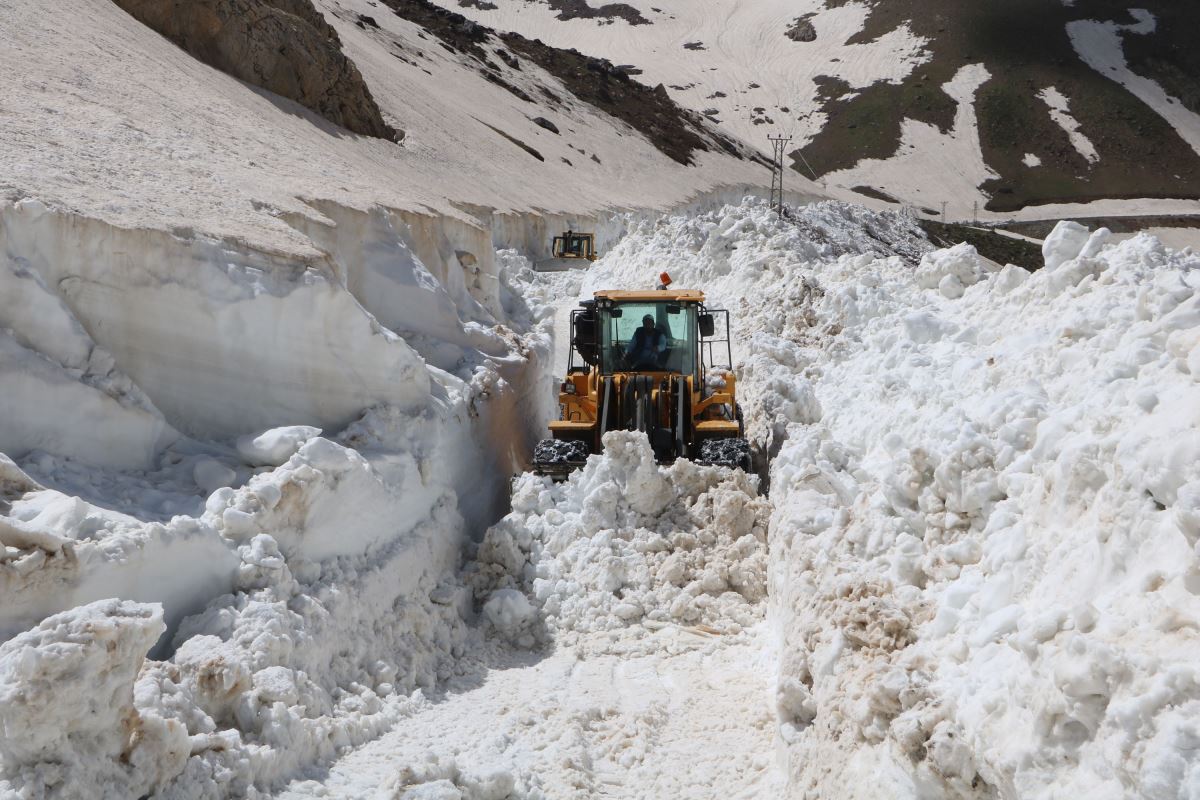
x,y
643,349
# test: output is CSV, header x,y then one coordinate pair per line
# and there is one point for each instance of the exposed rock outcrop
x,y
285,46
802,29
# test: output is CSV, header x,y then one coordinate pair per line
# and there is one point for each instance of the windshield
x,y
649,336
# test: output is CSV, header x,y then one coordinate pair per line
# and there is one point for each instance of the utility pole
x,y
975,213
779,143
943,212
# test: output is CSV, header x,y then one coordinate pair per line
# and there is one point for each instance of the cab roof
x,y
652,295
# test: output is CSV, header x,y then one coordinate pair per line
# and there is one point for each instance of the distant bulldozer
x,y
570,250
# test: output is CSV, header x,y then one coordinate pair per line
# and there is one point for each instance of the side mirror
x,y
672,308
707,325
616,313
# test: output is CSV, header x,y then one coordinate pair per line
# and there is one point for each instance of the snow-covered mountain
x,y
1008,104
119,124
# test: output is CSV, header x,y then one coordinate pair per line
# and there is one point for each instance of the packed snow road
x,y
686,716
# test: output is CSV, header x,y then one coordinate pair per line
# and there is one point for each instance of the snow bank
x,y
625,542
984,555
71,552
318,596
325,502
737,251
304,582
305,605
294,667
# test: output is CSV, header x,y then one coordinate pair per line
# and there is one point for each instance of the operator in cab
x,y
646,346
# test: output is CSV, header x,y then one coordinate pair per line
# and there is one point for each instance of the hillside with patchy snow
x,y
1007,104
167,142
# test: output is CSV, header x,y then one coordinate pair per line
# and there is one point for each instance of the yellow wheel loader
x,y
569,251
648,361
575,245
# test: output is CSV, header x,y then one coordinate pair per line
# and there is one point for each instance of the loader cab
x,y
671,324
685,410
575,245
604,328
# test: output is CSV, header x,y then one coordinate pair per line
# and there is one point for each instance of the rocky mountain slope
x,y
284,46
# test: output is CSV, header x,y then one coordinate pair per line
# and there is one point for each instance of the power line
x,y
811,171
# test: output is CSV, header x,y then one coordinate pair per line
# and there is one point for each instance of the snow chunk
x,y
275,446
1064,243
511,614
21,534
951,271
67,705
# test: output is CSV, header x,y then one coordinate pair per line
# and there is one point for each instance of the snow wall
x,y
271,458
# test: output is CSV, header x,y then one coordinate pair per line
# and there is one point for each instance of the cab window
x,y
675,321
